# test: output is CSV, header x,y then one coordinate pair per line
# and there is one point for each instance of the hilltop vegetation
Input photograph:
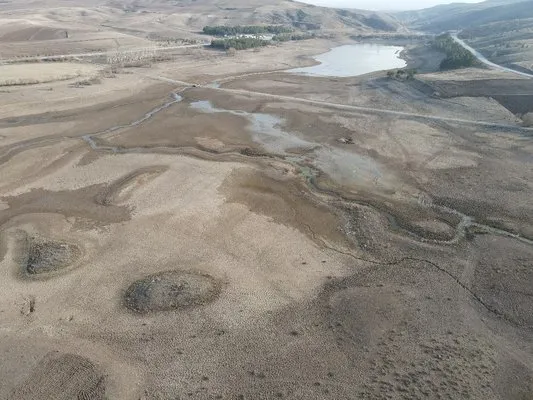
x,y
456,55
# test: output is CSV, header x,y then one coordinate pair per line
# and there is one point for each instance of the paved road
x,y
101,53
484,60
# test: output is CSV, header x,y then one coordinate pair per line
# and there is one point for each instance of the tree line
x,y
246,30
456,55
286,37
242,43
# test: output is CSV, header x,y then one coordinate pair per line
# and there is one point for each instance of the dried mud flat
x,y
255,241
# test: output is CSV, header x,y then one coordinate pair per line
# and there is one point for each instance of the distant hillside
x,y
196,14
502,30
461,15
182,16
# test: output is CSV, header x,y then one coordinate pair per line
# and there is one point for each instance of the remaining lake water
x,y
355,59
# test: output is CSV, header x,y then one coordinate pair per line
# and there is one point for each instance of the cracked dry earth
x,y
181,253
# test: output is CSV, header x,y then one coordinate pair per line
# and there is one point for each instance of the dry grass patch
x,y
31,74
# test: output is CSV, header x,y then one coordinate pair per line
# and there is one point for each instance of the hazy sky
x,y
383,4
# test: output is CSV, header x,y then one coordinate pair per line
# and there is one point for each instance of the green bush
x,y
402,74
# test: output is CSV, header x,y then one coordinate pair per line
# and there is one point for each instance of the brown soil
x,y
78,203
280,195
183,127
120,190
513,94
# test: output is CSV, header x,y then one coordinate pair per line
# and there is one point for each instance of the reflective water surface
x,y
355,59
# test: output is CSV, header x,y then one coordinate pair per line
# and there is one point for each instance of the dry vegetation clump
x,y
19,82
88,82
36,73
63,376
169,42
171,290
45,256
136,58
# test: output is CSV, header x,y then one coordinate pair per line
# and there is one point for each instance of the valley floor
x,y
211,227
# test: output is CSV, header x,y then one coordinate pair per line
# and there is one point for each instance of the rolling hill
x,y
193,15
462,15
500,29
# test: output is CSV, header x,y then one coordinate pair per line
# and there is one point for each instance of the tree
x,y
411,73
240,43
456,55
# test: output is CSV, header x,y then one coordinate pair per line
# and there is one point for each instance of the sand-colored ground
x,y
471,74
208,227
205,66
30,74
